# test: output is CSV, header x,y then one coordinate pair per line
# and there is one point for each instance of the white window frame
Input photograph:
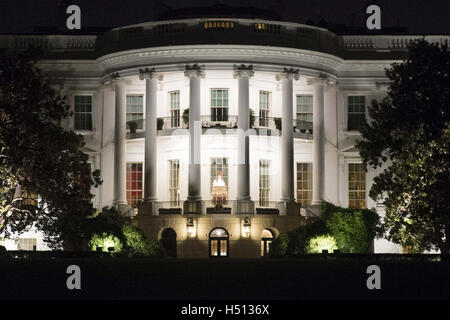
x,y
222,107
90,93
265,202
170,110
346,95
268,110
129,94
171,188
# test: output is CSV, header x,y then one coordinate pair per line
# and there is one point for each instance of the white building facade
x,y
219,134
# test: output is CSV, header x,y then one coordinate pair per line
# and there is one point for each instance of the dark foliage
x,y
408,139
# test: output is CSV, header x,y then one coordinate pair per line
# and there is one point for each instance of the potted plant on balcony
x,y
277,123
186,116
251,116
159,123
133,126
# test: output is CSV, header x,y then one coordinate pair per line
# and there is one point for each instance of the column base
x,y
193,207
244,207
148,208
124,208
290,208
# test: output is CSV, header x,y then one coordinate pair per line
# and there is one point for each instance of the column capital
x,y
289,73
113,80
147,73
193,71
323,78
243,71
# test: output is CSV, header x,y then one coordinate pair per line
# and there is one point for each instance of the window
x,y
218,25
174,183
219,180
134,184
135,110
219,105
174,104
83,113
264,187
356,112
266,240
304,183
304,112
28,244
264,108
356,185
218,243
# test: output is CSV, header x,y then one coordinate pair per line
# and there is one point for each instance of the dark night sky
x,y
419,16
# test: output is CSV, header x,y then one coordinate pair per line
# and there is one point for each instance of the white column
x,y
318,142
287,135
287,142
194,203
151,166
120,197
243,199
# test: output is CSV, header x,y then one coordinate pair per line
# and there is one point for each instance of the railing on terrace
x,y
224,121
229,122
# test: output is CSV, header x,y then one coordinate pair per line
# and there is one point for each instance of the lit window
x,y
264,187
356,185
266,240
28,244
304,183
83,113
219,180
174,102
218,243
135,110
174,186
134,184
356,112
264,108
219,105
305,113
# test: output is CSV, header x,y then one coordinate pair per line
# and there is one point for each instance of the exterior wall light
x,y
190,226
246,228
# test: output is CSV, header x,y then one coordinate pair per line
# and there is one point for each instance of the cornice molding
x,y
224,53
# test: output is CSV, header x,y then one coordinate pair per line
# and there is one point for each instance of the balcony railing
x,y
270,123
267,123
219,122
303,126
171,123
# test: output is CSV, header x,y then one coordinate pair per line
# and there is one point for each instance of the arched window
x,y
169,242
218,243
266,239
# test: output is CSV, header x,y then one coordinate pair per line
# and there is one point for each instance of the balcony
x,y
263,125
223,122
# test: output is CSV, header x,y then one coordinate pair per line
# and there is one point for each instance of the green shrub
x,y
353,230
109,228
319,243
138,244
105,241
251,115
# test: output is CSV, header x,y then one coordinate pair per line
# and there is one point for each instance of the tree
x,y
408,139
39,156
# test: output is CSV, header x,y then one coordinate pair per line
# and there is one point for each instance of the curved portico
x,y
236,126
